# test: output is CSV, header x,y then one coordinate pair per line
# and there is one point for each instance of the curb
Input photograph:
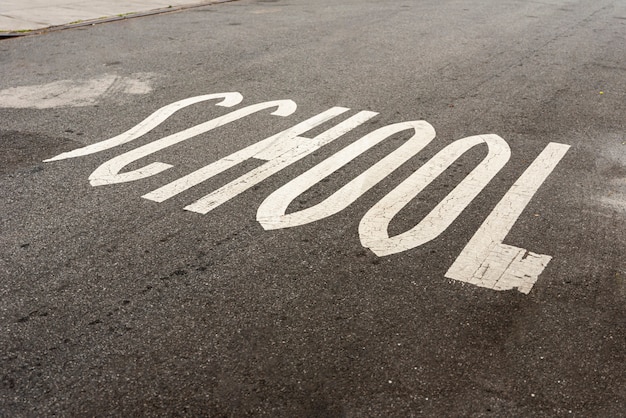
x,y
97,21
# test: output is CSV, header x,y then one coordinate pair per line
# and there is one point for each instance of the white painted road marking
x,y
272,212
486,261
374,225
302,148
269,149
109,172
149,123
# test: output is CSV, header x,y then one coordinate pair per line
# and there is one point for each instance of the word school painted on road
x,y
485,261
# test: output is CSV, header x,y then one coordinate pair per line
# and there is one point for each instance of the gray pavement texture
x,y
18,17
114,305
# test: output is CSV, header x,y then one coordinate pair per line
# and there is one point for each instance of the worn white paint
x,y
374,225
486,261
109,172
149,123
279,159
75,93
272,212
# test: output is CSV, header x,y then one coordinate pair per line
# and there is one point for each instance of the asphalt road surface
x,y
297,208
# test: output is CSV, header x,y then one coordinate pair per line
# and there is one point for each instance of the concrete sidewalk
x,y
22,16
